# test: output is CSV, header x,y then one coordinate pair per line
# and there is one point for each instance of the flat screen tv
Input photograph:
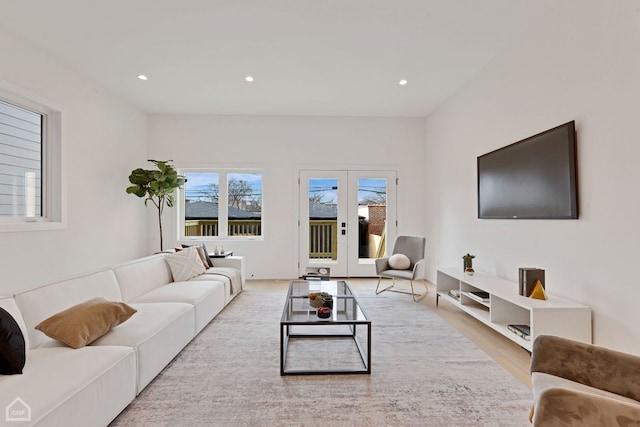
x,y
535,178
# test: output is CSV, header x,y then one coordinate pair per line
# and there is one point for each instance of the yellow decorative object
x,y
538,291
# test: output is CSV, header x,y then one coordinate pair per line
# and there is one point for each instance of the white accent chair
x,y
413,247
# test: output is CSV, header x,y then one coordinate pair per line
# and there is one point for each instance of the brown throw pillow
x,y
84,323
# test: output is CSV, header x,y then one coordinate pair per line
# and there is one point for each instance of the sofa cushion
x,y
157,332
231,277
83,323
65,387
207,297
185,264
41,303
142,275
12,345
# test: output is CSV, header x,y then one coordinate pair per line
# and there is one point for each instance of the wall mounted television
x,y
535,178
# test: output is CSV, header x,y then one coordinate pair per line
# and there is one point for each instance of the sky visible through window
x,y
325,190
199,185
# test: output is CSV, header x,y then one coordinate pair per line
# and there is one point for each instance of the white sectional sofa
x,y
91,385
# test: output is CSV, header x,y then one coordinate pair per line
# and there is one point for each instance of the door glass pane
x,y
245,204
323,217
372,217
201,204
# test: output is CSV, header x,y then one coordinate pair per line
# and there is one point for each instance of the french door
x,y
346,219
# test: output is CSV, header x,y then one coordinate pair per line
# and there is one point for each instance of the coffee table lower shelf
x,y
365,356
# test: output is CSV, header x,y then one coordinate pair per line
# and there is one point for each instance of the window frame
x,y
52,199
223,200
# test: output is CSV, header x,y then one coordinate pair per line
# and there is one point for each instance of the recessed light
x,y
142,77
402,82
248,79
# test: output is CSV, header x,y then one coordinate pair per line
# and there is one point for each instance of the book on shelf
x,y
527,278
454,293
479,296
523,331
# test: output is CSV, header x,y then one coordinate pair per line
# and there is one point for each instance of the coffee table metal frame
x,y
338,318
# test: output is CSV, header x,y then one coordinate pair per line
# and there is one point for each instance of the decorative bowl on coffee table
x,y
316,299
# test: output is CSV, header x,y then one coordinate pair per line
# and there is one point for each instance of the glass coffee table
x,y
340,344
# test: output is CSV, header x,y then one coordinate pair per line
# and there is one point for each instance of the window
x,y
221,204
20,162
30,175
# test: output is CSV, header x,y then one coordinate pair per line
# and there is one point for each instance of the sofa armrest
x,y
587,364
236,262
382,264
562,407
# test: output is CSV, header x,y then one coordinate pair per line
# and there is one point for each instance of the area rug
x,y
424,373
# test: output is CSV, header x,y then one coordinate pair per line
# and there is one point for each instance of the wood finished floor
x,y
504,351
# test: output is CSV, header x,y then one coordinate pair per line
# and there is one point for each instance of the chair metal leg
x,y
416,297
388,288
419,296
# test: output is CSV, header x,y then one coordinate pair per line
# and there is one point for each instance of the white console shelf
x,y
554,316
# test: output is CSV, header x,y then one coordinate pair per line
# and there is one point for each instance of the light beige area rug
x,y
424,373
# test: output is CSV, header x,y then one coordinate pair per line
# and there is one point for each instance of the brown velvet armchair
x,y
578,384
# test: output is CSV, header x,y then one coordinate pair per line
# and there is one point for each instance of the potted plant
x,y
468,263
157,185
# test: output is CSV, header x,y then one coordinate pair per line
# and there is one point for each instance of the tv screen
x,y
534,178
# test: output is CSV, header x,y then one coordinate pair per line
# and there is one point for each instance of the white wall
x,y
281,146
582,65
103,140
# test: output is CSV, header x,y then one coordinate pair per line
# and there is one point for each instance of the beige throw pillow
x,y
185,264
84,323
201,253
399,262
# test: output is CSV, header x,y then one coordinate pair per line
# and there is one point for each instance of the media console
x,y
505,306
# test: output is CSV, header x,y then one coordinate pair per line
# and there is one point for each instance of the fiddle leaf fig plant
x,y
157,186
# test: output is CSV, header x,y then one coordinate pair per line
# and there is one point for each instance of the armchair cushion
x,y
542,382
587,364
570,408
578,384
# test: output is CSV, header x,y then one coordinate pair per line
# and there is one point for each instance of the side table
x,y
221,255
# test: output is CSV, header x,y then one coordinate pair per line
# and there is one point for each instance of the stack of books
x,y
527,278
454,293
523,331
479,296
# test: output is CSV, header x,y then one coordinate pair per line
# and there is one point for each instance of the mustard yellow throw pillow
x,y
84,323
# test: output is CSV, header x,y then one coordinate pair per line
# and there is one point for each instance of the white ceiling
x,y
308,57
